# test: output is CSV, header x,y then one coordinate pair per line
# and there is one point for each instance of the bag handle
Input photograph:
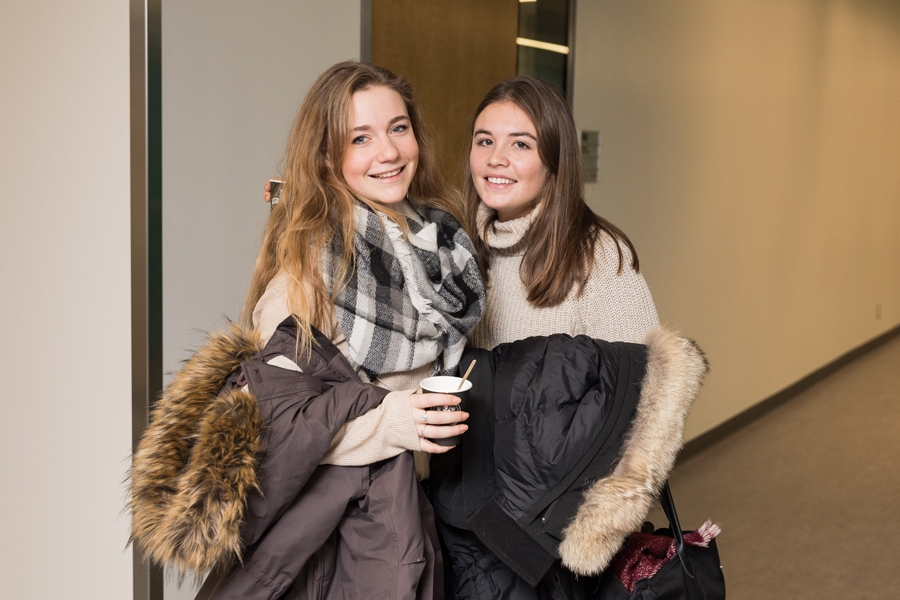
x,y
668,506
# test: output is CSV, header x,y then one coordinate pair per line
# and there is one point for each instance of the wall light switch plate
x,y
590,155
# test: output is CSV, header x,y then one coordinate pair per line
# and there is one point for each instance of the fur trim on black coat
x,y
616,505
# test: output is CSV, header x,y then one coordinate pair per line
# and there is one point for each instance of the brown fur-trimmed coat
x,y
229,426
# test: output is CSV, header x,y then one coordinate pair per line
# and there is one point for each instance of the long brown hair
x,y
562,238
316,204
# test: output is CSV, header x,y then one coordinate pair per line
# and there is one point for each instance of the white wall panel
x,y
65,366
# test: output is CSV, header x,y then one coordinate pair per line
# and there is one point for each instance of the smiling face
x,y
507,170
382,152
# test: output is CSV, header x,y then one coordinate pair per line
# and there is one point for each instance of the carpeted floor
x,y
808,496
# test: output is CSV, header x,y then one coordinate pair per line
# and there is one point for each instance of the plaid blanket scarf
x,y
411,300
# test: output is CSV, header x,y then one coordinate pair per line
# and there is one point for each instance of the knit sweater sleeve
x,y
381,433
616,307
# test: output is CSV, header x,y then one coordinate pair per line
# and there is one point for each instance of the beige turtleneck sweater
x,y
613,307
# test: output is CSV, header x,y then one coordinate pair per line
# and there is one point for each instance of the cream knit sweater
x,y
614,307
383,432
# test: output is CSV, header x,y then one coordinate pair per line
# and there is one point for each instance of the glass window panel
x,y
544,21
543,64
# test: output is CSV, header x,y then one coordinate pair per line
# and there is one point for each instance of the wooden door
x,y
453,52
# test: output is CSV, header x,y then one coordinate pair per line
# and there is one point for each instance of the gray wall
x,y
234,74
65,365
751,149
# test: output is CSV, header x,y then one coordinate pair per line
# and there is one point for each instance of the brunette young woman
x,y
551,266
298,477
554,266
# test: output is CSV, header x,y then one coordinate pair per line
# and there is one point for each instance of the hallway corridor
x,y
808,495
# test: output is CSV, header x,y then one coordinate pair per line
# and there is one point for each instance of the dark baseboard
x,y
766,406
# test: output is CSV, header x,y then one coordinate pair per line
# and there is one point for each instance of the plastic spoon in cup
x,y
466,376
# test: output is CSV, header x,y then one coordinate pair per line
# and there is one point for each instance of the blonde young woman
x,y
299,481
364,118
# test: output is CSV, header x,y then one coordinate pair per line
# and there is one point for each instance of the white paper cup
x,y
446,384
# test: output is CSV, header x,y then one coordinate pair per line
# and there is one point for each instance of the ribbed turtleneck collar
x,y
504,237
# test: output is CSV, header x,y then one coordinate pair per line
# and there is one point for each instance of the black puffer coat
x,y
569,442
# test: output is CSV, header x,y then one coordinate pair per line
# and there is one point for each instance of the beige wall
x,y
65,360
752,151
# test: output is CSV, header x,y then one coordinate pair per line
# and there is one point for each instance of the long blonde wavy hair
x,y
317,204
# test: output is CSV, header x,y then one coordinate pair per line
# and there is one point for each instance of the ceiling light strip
x,y
542,45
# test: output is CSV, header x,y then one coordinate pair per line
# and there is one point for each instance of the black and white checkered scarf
x,y
411,300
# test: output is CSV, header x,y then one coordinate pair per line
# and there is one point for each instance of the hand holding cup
x,y
446,385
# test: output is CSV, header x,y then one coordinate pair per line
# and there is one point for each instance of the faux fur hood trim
x,y
197,460
616,505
